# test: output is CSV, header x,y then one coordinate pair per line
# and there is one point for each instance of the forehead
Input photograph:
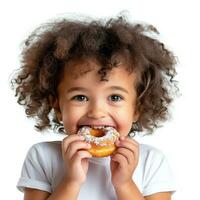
x,y
76,68
79,67
85,73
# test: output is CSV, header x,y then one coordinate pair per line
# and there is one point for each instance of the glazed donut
x,y
102,139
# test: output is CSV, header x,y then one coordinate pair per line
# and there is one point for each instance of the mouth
x,y
96,130
96,126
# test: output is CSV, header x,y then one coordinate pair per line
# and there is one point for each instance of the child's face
x,y
85,100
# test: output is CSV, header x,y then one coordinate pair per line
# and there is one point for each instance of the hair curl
x,y
53,44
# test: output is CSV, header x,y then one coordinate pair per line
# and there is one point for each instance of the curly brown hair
x,y
47,50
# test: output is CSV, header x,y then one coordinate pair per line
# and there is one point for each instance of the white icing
x,y
110,136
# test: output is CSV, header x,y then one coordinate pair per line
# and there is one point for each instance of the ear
x,y
54,102
136,116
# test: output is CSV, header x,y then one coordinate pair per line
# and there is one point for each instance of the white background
x,y
178,23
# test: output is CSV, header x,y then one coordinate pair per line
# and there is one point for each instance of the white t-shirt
x,y
43,169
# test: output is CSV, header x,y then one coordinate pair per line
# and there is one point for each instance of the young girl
x,y
113,73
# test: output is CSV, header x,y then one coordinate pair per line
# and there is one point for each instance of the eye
x,y
115,97
80,98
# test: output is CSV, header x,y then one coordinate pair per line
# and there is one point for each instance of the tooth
x,y
97,127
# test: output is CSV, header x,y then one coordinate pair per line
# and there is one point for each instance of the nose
x,y
97,110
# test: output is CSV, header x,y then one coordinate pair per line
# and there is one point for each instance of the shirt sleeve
x,y
33,173
158,176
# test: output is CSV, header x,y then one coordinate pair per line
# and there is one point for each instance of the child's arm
x,y
34,194
64,191
131,191
159,196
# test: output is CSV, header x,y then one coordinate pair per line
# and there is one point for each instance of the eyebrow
x,y
73,89
76,89
119,88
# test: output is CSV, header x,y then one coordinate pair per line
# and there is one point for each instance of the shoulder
x,y
149,151
45,156
41,167
153,171
151,158
44,150
47,146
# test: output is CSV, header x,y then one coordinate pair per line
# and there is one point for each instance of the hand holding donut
x,y
75,156
104,142
124,160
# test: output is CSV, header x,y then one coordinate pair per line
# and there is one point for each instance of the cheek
x,y
124,121
70,119
125,127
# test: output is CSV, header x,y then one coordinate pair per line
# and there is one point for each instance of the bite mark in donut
x,y
101,139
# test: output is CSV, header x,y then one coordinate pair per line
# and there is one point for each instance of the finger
x,y
128,139
129,155
120,159
69,139
78,156
76,146
132,146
